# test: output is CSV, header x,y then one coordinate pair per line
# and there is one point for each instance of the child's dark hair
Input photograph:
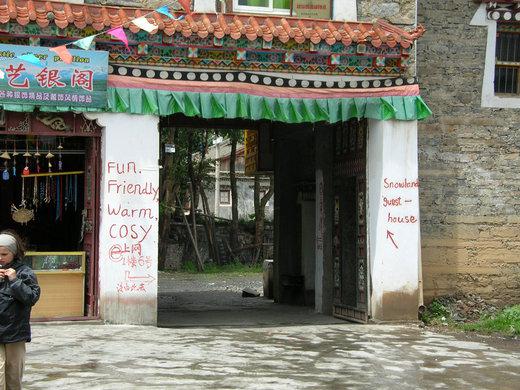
x,y
20,247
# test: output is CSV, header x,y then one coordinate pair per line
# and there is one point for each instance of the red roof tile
x,y
236,26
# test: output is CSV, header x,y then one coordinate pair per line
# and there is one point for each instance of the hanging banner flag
x,y
84,43
144,24
82,83
165,11
63,53
31,58
120,34
186,4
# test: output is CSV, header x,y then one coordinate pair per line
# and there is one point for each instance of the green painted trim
x,y
231,106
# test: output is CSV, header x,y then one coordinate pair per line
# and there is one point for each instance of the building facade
x,y
469,150
338,101
219,190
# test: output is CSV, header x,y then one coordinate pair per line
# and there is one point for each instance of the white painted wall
x,y
204,5
489,99
394,248
128,245
344,10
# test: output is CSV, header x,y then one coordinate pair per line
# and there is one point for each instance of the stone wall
x,y
401,12
180,249
469,164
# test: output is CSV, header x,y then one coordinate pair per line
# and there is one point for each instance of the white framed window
x,y
225,197
500,88
281,7
507,60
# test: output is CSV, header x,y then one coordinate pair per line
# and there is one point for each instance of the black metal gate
x,y
349,233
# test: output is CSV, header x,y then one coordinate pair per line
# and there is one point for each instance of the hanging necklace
x,y
60,163
15,153
26,170
23,214
49,156
6,157
35,193
47,198
37,155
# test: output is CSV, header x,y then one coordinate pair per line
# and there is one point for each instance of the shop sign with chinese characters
x,y
315,9
51,81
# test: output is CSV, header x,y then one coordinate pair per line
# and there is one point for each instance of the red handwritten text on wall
x,y
131,203
398,198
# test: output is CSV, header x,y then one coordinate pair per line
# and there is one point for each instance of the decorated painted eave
x,y
236,26
229,100
503,11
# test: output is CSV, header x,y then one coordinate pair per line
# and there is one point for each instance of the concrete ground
x,y
212,338
340,356
216,300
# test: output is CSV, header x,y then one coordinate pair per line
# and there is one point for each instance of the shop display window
x,y
55,261
48,195
42,190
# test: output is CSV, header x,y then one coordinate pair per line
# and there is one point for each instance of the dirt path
x,y
191,292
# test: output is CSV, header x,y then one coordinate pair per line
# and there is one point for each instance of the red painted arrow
x,y
390,235
148,278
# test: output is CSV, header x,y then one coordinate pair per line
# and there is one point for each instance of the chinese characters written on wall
x,y
51,81
133,216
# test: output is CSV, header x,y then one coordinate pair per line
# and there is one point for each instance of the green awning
x,y
234,105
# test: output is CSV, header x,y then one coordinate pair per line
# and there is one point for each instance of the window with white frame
x,y
507,60
225,197
282,7
500,83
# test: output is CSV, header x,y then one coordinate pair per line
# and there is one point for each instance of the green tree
x,y
182,177
235,136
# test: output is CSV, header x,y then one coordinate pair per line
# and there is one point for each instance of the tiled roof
x,y
220,25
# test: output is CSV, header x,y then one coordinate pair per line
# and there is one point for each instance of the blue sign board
x,y
40,77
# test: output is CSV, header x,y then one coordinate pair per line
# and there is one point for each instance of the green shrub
x,y
436,313
506,322
189,266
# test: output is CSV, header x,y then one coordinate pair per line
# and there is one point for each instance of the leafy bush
x,y
436,313
189,267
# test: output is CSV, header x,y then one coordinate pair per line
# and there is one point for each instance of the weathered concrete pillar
x,y
393,220
324,212
129,203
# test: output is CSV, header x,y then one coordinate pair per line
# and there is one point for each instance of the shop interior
x,y
42,199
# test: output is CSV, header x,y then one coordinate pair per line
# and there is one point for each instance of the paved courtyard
x,y
338,356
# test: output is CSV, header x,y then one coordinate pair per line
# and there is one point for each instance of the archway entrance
x,y
196,299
